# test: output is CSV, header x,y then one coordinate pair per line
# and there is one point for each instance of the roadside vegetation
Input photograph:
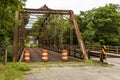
x,y
7,23
100,25
13,71
69,64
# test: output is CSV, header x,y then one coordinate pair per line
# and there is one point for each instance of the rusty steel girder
x,y
45,10
38,11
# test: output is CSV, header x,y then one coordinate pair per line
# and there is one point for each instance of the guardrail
x,y
75,50
110,49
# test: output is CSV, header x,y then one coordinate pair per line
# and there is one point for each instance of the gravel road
x,y
77,73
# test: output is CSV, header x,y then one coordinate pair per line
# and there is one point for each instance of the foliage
x,y
98,26
101,25
7,20
13,71
56,29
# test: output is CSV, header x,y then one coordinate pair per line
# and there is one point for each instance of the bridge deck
x,y
35,56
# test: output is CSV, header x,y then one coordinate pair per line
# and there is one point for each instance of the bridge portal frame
x,y
19,30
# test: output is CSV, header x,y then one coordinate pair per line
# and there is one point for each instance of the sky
x,y
75,5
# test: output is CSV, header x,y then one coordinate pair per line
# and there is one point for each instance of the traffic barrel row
x,y
44,55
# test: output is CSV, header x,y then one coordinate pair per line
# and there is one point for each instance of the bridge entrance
x,y
19,30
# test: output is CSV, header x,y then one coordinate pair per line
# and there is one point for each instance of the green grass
x,y
68,64
13,71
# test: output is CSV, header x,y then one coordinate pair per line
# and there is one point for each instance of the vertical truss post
x,y
71,35
22,32
61,33
79,37
55,37
15,44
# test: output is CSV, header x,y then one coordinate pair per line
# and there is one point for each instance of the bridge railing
x,y
110,49
76,51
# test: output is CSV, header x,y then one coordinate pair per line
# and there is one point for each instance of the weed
x,y
13,71
69,64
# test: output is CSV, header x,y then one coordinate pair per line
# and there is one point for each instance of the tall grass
x,y
13,71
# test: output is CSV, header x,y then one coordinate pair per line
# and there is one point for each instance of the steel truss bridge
x,y
19,30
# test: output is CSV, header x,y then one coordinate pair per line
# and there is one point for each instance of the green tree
x,y
56,28
101,25
7,20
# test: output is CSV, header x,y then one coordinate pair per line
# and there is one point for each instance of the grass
x,y
68,64
13,71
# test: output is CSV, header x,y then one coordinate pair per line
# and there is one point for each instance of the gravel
x,y
77,73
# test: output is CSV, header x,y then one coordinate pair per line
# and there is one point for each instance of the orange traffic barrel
x,y
64,55
27,55
44,55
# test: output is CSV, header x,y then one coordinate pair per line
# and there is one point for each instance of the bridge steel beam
x,y
46,11
19,35
15,44
79,36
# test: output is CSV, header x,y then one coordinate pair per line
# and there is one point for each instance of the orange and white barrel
x,y
44,55
27,55
64,55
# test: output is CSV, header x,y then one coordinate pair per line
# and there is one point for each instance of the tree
x,y
101,25
55,29
7,20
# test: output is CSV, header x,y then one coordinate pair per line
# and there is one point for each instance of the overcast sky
x,y
75,5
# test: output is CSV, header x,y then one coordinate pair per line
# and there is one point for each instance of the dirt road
x,y
77,73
